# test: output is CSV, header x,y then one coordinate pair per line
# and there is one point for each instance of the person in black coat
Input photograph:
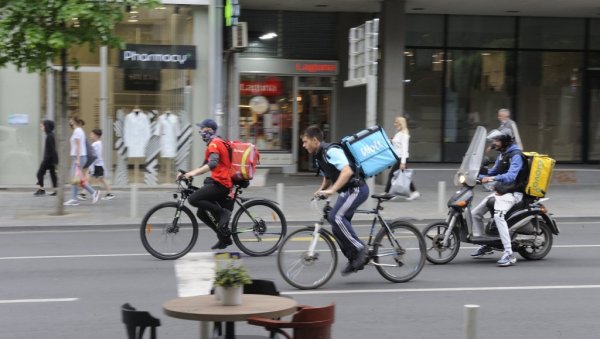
x,y
50,159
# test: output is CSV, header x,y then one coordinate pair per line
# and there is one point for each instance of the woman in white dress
x,y
400,144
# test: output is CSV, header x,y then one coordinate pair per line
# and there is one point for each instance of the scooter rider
x,y
509,175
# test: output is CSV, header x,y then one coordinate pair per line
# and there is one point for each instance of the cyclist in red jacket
x,y
212,199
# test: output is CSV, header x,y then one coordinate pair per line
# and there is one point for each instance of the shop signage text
x,y
267,88
316,68
158,57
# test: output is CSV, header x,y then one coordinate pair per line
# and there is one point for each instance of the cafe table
x,y
206,309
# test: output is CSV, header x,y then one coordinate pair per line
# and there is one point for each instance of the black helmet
x,y
505,136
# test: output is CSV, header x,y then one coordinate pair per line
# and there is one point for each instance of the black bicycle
x,y
169,230
307,257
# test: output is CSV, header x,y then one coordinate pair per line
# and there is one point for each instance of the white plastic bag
x,y
401,182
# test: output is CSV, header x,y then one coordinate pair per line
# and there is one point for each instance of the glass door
x,y
314,107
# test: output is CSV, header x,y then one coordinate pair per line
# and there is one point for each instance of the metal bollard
x,y
441,197
471,321
280,189
134,201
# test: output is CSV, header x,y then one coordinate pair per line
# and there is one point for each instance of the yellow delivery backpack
x,y
540,173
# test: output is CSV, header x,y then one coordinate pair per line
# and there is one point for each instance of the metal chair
x,y
136,322
307,323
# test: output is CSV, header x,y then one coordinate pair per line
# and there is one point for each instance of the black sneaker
x,y
222,243
40,192
360,260
348,269
53,194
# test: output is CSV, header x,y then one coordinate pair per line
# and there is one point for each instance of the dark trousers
x,y
212,198
388,185
340,218
40,174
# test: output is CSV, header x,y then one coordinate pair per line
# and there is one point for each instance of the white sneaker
x,y
413,195
71,202
108,196
96,196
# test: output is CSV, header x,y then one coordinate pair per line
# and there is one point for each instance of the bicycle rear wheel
x,y
401,257
167,233
298,267
258,227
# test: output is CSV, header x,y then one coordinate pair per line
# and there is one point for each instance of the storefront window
x,y
481,31
551,33
549,105
594,115
478,84
594,34
423,102
266,107
424,30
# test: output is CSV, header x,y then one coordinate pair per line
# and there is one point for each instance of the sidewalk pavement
x,y
572,198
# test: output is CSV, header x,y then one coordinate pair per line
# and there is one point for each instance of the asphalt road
x,y
71,284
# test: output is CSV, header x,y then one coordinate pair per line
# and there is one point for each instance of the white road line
x,y
83,256
450,289
74,256
20,301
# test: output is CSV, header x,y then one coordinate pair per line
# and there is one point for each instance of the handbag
x,y
401,182
78,178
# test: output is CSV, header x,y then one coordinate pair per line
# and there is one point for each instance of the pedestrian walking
x,y
400,144
50,159
97,169
79,158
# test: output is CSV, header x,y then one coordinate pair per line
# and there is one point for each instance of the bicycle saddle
x,y
383,196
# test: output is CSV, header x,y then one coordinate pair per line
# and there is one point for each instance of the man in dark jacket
x,y
338,177
509,175
50,159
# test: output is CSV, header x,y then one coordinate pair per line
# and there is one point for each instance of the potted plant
x,y
230,280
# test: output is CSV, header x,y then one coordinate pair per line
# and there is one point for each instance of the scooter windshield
x,y
471,164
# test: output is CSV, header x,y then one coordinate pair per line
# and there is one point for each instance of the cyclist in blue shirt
x,y
338,176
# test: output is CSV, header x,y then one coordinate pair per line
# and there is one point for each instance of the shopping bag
x,y
78,178
401,182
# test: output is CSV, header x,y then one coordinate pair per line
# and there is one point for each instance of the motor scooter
x,y
530,225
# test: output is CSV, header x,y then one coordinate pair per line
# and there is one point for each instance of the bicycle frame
x,y
370,244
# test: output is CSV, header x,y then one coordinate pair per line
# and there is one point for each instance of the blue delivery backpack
x,y
371,151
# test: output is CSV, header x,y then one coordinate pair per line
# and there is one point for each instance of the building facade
x,y
455,72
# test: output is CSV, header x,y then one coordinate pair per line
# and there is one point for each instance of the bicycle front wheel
x,y
167,233
302,269
258,227
399,256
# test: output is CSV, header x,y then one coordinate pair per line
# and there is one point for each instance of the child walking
x,y
97,168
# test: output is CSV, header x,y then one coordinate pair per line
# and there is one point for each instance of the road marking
x,y
19,301
82,256
449,289
74,256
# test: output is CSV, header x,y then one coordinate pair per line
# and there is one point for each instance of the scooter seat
x,y
484,239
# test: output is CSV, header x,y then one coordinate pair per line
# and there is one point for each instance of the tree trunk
x,y
63,138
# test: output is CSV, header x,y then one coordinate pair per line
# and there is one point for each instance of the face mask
x,y
206,135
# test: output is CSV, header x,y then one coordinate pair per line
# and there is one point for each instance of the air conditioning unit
x,y
239,35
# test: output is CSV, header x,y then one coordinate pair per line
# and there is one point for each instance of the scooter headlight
x,y
462,179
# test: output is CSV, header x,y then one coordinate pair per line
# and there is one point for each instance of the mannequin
x,y
167,128
135,136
